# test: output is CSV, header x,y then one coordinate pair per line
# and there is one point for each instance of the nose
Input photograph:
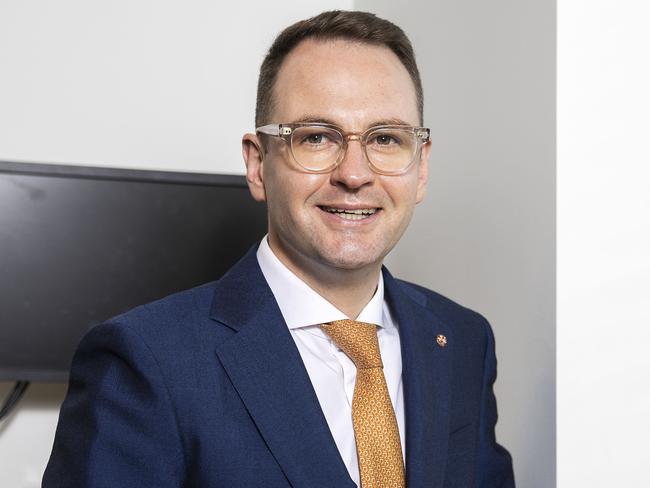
x,y
353,171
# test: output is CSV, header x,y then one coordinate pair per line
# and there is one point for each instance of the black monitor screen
x,y
79,245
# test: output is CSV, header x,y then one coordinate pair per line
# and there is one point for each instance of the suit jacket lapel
x,y
266,369
426,370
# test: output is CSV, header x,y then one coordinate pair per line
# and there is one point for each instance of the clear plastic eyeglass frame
x,y
285,132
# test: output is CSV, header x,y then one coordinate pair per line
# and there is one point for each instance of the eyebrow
x,y
315,119
391,121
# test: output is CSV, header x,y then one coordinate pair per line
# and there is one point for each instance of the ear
x,y
253,158
423,171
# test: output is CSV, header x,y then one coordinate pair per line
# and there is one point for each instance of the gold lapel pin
x,y
441,340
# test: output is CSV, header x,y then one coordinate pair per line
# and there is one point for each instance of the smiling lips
x,y
351,214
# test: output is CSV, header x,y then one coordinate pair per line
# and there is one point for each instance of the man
x,y
306,365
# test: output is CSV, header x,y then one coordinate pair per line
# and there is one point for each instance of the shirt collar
x,y
301,306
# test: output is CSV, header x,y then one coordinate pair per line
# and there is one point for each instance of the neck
x,y
349,290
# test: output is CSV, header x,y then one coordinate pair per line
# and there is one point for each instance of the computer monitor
x,y
79,245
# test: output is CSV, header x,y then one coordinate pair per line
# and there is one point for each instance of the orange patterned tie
x,y
375,427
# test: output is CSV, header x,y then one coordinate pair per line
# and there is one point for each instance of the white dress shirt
x,y
331,371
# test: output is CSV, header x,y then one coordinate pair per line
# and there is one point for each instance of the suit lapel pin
x,y
441,340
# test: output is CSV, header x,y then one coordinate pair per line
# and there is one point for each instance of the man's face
x,y
354,86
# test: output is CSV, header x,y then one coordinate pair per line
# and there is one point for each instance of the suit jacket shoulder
x,y
467,325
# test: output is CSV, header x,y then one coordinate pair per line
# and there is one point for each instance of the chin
x,y
352,259
350,265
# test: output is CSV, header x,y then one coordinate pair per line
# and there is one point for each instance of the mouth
x,y
350,214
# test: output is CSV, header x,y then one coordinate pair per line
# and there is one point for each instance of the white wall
x,y
142,84
157,84
26,436
603,243
485,235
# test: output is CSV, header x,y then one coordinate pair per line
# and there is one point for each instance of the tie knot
x,y
356,339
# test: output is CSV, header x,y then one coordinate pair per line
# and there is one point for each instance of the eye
x,y
316,138
385,139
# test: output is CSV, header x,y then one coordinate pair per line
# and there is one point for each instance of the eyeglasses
x,y
320,148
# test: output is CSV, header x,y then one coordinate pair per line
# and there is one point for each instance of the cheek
x,y
404,199
290,194
404,192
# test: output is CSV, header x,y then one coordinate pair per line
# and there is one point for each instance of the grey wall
x,y
485,235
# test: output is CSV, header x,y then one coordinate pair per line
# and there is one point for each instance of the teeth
x,y
357,214
347,216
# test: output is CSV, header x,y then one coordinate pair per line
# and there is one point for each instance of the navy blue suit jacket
x,y
206,388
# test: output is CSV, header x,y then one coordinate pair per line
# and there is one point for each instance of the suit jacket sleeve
x,y
117,426
494,464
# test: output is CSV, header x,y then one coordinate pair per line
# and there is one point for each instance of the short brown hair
x,y
336,24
